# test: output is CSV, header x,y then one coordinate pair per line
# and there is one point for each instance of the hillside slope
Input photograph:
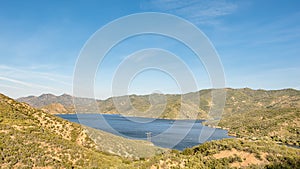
x,y
32,138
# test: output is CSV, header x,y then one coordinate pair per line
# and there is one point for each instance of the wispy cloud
x,y
30,74
199,12
9,86
31,85
281,31
21,81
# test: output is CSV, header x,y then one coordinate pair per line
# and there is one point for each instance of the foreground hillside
x,y
26,142
32,138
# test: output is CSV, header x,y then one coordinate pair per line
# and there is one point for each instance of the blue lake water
x,y
176,134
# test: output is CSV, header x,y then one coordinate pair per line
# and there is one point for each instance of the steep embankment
x,y
32,138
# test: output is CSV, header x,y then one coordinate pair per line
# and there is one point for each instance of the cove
x,y
154,130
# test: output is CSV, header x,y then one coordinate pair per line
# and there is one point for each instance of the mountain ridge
x,y
237,101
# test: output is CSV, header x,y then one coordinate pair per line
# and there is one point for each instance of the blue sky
x,y
258,43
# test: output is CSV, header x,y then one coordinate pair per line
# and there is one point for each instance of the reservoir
x,y
175,134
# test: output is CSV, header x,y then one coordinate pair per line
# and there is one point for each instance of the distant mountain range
x,y
237,101
50,103
47,99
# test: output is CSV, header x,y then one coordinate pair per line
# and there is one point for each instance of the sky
x,y
258,43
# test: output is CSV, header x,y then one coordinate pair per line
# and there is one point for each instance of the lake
x,y
175,134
